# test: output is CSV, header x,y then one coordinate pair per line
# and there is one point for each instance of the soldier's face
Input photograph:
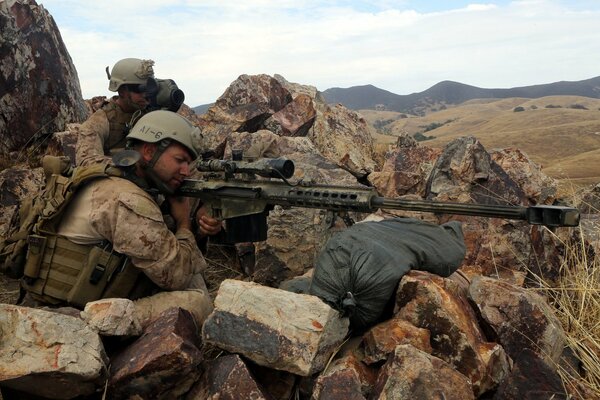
x,y
138,99
173,166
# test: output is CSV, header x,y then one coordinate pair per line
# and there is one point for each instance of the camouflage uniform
x,y
120,212
102,134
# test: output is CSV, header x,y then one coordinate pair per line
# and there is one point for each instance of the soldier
x,y
104,132
112,234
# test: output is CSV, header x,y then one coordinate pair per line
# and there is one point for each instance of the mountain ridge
x,y
446,93
443,94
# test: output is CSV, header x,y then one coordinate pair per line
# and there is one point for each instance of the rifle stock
x,y
229,197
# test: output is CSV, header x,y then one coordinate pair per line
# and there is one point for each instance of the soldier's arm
x,y
93,133
137,229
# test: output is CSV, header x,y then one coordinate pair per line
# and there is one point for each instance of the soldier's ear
x,y
147,151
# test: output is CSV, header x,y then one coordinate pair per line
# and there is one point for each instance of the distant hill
x,y
202,108
448,93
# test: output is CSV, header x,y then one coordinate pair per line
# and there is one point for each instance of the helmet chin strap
x,y
151,174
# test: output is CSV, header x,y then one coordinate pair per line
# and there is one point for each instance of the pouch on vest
x,y
36,245
99,268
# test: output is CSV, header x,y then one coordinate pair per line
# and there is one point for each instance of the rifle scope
x,y
281,168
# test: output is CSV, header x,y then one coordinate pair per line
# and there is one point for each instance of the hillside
x,y
448,93
561,133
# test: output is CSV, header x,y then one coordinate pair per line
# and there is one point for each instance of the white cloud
x,y
205,45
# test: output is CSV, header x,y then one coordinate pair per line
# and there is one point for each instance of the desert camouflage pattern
x,y
119,211
102,134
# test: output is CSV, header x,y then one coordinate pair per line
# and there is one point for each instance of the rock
x,y
346,378
295,119
531,379
405,170
196,301
37,74
112,317
162,363
538,187
439,305
518,319
65,142
243,107
16,184
297,89
412,374
48,354
227,378
278,384
466,173
382,339
343,136
274,328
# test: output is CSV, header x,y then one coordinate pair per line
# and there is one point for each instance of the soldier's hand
x,y
207,225
180,211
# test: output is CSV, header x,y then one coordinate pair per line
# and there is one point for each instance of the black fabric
x,y
359,269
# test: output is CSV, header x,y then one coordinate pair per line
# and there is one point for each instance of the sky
x,y
400,46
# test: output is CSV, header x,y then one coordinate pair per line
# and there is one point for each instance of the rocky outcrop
x,y
261,102
39,87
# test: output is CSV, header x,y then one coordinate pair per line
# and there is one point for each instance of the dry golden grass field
x,y
560,133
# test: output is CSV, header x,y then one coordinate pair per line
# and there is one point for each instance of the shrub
x,y
518,109
533,107
419,137
552,106
578,107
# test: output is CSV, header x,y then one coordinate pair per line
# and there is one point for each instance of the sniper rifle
x,y
232,192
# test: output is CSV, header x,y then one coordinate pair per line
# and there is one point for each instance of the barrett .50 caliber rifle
x,y
232,192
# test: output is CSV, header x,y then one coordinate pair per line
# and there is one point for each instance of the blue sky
x,y
400,46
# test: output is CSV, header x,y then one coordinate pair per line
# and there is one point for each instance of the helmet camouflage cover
x,y
130,71
162,124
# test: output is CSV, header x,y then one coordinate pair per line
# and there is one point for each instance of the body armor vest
x,y
118,121
57,271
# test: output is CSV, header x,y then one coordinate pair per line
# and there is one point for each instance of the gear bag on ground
x,y
359,269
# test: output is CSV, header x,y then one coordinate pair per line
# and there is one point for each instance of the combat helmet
x,y
162,125
130,71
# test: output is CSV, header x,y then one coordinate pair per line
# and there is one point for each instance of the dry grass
x,y
576,298
564,140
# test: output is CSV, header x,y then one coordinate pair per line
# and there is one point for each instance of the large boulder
x,y
39,87
441,306
274,328
518,318
49,354
466,173
412,374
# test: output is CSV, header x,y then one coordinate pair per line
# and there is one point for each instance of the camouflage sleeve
x,y
90,141
138,230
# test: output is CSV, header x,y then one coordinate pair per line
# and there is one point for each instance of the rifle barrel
x,y
552,216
